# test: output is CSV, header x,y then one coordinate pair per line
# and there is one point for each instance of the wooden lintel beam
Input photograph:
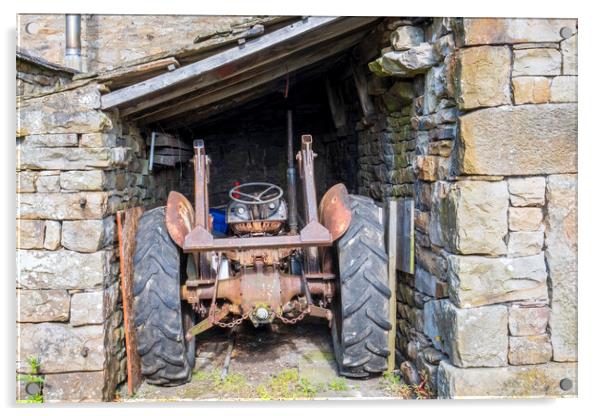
x,y
161,82
267,75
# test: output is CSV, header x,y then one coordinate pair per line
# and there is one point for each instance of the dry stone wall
x,y
491,308
111,40
76,166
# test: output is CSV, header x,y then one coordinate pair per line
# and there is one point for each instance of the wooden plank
x,y
267,74
169,160
169,151
137,73
168,140
336,104
405,247
361,86
239,63
214,62
127,224
392,243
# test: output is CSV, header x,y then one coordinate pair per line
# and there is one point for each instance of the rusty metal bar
x,y
306,155
290,176
201,199
231,289
205,324
313,234
306,164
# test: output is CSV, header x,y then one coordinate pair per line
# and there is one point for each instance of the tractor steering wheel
x,y
258,193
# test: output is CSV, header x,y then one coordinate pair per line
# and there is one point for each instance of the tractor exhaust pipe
x,y
290,176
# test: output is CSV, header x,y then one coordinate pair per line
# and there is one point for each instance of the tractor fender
x,y
335,210
179,217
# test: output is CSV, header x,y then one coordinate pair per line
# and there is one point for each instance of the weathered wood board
x,y
127,224
392,243
405,244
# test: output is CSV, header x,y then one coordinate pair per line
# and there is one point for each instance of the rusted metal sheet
x,y
335,212
127,224
179,217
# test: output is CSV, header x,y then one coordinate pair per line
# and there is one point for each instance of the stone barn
x,y
473,120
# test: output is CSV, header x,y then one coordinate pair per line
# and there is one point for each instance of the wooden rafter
x,y
267,74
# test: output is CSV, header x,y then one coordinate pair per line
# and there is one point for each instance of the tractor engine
x,y
256,209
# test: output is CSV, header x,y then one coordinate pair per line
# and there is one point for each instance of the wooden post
x,y
392,238
127,224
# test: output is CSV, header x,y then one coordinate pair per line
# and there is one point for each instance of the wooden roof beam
x,y
267,75
263,43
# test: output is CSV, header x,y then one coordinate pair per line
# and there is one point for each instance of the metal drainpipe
x,y
73,42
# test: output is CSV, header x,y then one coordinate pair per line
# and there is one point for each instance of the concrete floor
x,y
276,362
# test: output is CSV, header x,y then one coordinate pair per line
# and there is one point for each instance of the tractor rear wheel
x,y
361,322
160,318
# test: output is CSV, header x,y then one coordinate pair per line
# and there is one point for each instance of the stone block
x,y
532,349
426,167
525,243
83,180
523,140
564,89
75,387
561,257
528,321
26,181
406,37
416,60
480,31
525,219
475,337
66,158
483,77
50,140
531,90
88,236
87,308
43,305
48,183
52,236
63,206
435,87
539,61
441,148
534,381
475,281
429,284
529,191
30,234
60,347
569,56
470,217
61,269
445,45
98,140
67,112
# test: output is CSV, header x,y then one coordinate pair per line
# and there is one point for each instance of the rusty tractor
x,y
187,280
